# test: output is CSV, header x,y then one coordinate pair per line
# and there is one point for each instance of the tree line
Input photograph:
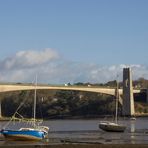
x,y
58,104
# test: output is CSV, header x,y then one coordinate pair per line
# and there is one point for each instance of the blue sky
x,y
100,33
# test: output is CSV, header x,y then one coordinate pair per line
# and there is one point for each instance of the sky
x,y
72,41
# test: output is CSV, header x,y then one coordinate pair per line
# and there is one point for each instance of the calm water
x,y
88,131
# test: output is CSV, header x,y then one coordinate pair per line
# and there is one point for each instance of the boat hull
x,y
23,135
112,127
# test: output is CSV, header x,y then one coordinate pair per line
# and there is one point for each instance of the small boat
x,y
34,132
113,126
133,118
24,134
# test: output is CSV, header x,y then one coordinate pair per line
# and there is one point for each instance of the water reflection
x,y
132,123
132,131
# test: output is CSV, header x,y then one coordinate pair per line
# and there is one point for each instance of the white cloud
x,y
29,59
24,65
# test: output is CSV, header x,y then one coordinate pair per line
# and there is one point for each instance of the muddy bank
x,y
79,146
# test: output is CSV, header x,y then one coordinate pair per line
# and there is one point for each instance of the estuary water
x,y
87,131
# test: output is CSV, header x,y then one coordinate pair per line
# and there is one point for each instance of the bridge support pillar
x,y
128,99
0,109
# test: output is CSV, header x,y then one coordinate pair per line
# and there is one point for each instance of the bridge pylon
x,y
128,98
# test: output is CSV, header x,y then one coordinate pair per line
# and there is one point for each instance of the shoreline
x,y
78,146
82,117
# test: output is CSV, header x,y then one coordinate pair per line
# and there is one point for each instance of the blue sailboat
x,y
23,134
35,132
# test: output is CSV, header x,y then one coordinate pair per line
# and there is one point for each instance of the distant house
x,y
67,84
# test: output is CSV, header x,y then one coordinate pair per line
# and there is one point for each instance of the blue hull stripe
x,y
23,135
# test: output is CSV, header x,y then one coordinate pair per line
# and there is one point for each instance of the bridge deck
x,y
109,91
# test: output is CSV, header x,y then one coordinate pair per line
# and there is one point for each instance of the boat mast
x,y
34,111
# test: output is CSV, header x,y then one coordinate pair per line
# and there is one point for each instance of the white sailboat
x,y
113,126
34,132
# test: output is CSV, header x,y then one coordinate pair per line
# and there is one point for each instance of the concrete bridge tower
x,y
128,99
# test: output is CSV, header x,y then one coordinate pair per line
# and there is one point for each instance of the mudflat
x,y
79,146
